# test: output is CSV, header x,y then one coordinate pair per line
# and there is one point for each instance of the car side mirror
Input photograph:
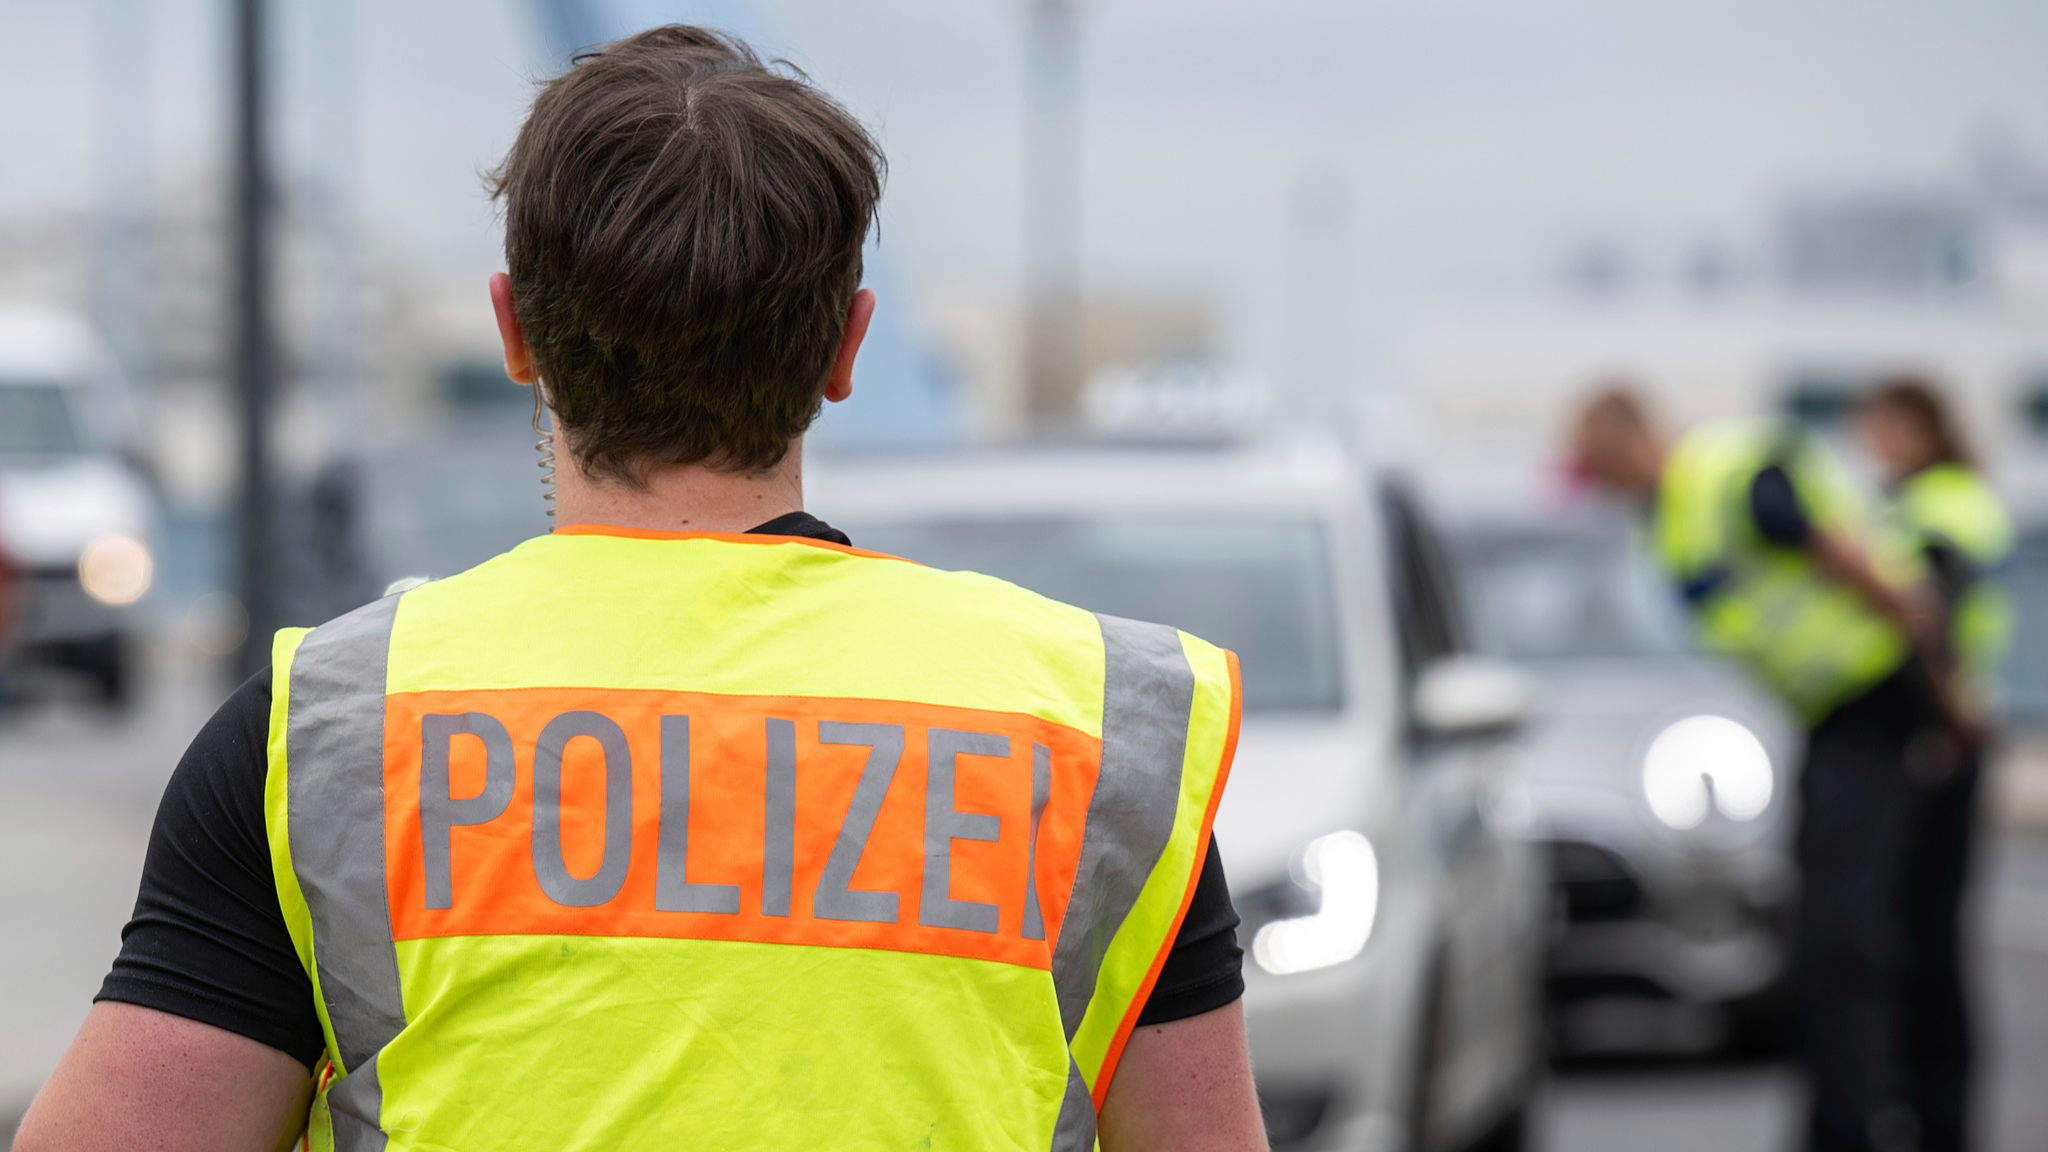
x,y
1470,696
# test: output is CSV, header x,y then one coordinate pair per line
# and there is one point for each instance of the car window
x,y
1426,609
36,420
1545,592
1257,586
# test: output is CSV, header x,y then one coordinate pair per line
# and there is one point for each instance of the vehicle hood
x,y
1293,780
48,514
1594,719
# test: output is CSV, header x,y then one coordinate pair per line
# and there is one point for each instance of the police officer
x,y
1941,503
689,824
1785,566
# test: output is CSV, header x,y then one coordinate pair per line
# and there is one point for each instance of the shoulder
x,y
1707,455
1715,438
1948,483
1955,501
1031,626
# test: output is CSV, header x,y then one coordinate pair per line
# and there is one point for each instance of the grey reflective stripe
x,y
440,812
353,1106
835,898
1075,1129
1148,696
673,889
334,791
1041,793
778,833
549,866
944,823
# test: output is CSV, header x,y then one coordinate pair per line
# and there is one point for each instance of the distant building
x,y
1948,280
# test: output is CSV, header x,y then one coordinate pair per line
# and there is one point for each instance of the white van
x,y
75,516
1393,933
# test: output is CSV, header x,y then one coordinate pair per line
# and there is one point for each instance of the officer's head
x,y
1905,424
1616,442
683,228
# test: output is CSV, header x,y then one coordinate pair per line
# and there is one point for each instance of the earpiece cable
x,y
545,445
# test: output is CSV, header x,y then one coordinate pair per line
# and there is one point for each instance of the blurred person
x,y
1943,505
1784,565
688,824
1939,500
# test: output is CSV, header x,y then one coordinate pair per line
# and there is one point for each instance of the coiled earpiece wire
x,y
545,445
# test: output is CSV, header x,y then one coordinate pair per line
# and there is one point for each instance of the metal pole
x,y
248,216
122,267
1052,240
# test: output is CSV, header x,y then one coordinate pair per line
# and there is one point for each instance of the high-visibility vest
x,y
1951,505
1813,640
632,840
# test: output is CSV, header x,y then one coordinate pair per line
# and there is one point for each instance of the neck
x,y
679,497
1905,472
1650,470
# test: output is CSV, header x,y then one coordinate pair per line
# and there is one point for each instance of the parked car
x,y
1393,935
75,515
1657,780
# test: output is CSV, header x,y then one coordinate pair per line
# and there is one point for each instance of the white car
x,y
1393,935
75,517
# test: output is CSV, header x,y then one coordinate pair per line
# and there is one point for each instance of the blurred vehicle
x,y
1658,781
75,514
1393,937
438,501
2024,679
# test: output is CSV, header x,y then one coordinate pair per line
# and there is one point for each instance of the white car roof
x,y
1297,475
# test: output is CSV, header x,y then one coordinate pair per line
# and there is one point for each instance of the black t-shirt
x,y
208,940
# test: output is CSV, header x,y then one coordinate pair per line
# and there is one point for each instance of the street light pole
x,y
1052,234
249,212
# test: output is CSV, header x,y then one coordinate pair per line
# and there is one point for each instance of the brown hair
x,y
683,228
1616,404
1921,404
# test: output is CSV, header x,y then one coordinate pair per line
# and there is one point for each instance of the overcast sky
x,y
1476,141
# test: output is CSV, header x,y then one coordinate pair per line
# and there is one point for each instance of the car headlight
x,y
1704,763
116,569
1342,865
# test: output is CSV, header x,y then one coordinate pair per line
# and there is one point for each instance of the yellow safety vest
x,y
633,840
1951,505
1816,642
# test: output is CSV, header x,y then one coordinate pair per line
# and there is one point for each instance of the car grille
x,y
1596,885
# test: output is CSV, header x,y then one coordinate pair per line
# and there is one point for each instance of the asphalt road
x,y
78,788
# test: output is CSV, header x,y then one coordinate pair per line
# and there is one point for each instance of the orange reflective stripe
x,y
727,537
491,881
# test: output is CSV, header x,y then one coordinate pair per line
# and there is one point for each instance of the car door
x,y
1485,1023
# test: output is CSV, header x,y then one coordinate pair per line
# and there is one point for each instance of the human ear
x,y
839,382
518,361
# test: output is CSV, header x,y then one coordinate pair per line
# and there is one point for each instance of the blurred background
x,y
248,239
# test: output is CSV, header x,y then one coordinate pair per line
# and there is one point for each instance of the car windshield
x,y
35,420
1537,593
1260,587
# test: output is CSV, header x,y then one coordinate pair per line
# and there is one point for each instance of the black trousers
x,y
1886,820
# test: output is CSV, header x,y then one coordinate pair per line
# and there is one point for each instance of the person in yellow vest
x,y
689,825
1939,501
1786,566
